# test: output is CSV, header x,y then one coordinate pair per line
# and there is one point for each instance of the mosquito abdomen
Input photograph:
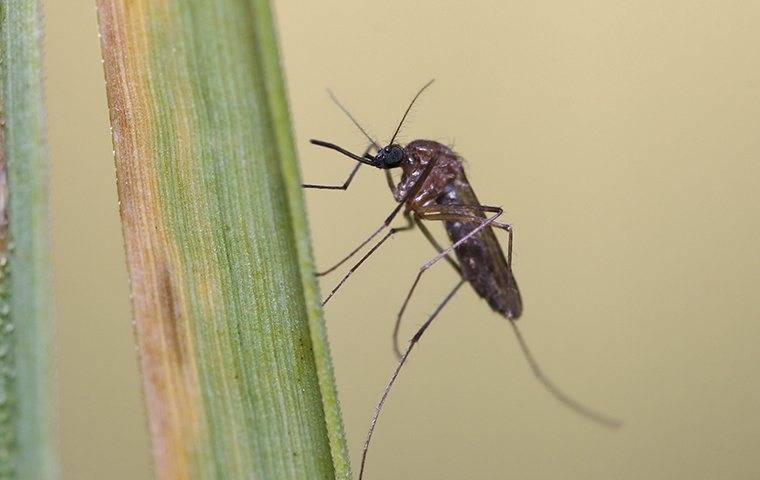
x,y
481,258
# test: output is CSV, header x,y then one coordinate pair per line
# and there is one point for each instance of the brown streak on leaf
x,y
173,323
169,375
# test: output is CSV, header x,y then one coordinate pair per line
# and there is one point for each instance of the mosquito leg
x,y
389,181
441,254
343,186
410,194
348,181
538,372
372,250
555,391
459,212
353,252
451,261
510,235
485,223
470,213
402,360
438,248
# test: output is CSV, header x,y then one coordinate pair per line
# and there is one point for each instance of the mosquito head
x,y
389,157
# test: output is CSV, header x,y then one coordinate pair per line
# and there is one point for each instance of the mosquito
x,y
434,188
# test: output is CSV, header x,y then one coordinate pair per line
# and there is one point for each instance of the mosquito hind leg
x,y
460,212
437,246
555,391
415,339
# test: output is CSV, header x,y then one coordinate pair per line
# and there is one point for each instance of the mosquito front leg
x,y
348,181
410,194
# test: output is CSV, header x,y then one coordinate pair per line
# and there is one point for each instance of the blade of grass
x,y
26,400
275,86
235,364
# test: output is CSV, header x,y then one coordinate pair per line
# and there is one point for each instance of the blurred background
x,y
622,140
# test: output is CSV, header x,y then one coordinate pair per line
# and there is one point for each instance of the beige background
x,y
621,138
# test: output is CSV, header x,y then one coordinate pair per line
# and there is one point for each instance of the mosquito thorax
x,y
389,157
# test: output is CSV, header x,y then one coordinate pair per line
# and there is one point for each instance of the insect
x,y
434,187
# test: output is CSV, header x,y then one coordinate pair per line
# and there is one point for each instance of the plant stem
x,y
26,400
235,364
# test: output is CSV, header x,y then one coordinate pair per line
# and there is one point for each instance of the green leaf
x,y
26,399
236,370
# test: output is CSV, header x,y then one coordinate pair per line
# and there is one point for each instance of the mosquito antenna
x,y
353,120
556,392
409,108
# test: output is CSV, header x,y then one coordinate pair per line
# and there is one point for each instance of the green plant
x,y
26,405
235,364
